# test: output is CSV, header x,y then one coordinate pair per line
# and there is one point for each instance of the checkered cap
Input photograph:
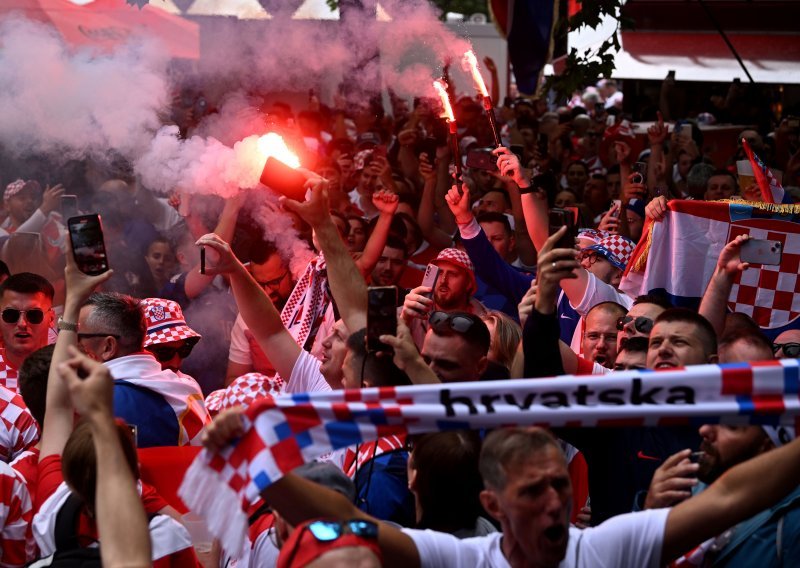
x,y
16,186
594,235
165,322
614,248
244,391
460,259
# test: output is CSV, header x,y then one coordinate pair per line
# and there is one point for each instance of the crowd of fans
x,y
177,353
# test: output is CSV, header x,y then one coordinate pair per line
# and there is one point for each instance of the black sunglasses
x,y
791,350
34,316
164,354
461,324
641,324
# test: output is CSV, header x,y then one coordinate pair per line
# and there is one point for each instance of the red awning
x,y
104,24
699,56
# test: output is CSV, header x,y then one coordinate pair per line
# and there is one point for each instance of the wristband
x,y
527,190
66,326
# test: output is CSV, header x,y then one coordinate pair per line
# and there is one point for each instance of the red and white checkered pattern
x,y
769,294
17,546
18,429
619,246
244,391
8,374
165,322
16,186
455,256
594,235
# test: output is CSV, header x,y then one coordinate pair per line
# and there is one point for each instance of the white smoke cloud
x,y
76,104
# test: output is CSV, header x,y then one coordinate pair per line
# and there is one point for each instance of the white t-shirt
x,y
306,376
632,540
239,351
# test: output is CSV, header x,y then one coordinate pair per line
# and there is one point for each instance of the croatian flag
x,y
771,189
678,256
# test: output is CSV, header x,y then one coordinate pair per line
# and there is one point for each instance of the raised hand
x,y
459,204
417,304
657,132
672,482
385,201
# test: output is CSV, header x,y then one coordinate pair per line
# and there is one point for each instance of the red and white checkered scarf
x,y
307,303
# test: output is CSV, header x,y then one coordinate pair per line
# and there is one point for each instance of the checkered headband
x,y
165,322
16,186
614,248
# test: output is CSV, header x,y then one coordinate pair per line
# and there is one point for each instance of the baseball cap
x,y
165,322
637,206
19,185
328,475
616,249
460,259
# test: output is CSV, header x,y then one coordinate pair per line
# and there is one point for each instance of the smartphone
x,y
543,144
430,278
560,218
428,147
88,247
481,159
69,206
379,152
761,251
686,130
618,204
639,171
381,316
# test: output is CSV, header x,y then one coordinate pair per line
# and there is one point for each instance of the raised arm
x,y
714,305
196,282
740,493
427,207
121,521
58,419
347,284
386,203
300,500
255,307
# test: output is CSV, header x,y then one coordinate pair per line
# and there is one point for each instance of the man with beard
x,y
769,538
391,264
452,292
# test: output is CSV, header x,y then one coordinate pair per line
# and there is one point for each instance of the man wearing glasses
x,y
273,275
26,300
168,337
787,345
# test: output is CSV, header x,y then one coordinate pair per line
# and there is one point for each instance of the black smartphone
x,y
639,171
69,206
482,159
543,144
381,316
560,218
428,147
88,247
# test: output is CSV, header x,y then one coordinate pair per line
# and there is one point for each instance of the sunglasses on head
x,y
458,323
329,531
166,353
641,324
791,350
12,315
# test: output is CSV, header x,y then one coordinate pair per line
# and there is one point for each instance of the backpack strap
x,y
66,530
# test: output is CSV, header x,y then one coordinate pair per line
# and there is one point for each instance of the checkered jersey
x,y
767,293
18,429
8,374
244,391
17,546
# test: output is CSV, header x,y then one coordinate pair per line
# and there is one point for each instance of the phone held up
x,y
560,218
430,278
761,251
381,316
88,246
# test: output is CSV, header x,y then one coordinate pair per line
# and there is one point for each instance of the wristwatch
x,y
66,326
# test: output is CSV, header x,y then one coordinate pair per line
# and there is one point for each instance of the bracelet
x,y
64,325
527,190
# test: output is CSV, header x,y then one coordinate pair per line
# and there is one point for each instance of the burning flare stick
x,y
471,64
280,167
441,88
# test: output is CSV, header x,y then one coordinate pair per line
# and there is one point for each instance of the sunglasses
x,y
791,350
461,324
164,354
641,324
329,531
12,315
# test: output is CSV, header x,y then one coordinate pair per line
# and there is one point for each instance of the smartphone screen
x,y
88,248
381,316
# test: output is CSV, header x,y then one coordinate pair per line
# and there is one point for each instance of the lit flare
x,y
272,145
441,89
470,63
